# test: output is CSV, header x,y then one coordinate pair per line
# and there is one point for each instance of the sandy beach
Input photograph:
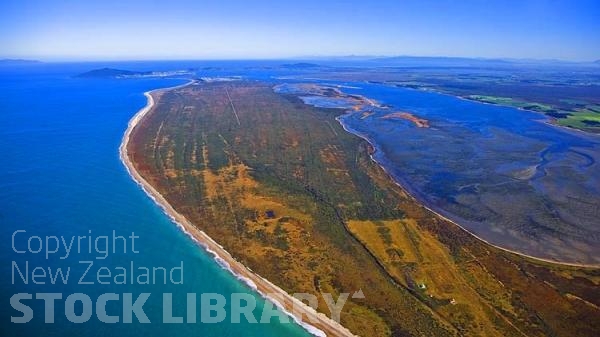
x,y
315,323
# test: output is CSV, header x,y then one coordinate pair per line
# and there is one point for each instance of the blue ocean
x,y
505,175
60,175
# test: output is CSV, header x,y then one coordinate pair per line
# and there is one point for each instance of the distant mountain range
x,y
301,65
443,61
352,61
440,61
473,62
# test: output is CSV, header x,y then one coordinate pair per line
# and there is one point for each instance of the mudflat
x,y
290,194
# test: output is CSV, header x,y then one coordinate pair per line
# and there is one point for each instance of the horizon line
x,y
54,59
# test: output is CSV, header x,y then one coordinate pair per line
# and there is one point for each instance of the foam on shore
x,y
209,244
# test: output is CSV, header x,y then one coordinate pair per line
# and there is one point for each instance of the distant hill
x,y
111,72
18,62
301,65
445,62
439,61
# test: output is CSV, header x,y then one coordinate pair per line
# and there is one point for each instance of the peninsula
x,y
419,122
267,182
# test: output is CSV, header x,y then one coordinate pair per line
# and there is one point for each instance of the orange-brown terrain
x,y
419,122
293,196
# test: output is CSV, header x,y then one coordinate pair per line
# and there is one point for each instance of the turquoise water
x,y
60,174
500,172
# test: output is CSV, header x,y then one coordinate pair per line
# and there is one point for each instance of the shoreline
x,y
318,324
546,120
441,216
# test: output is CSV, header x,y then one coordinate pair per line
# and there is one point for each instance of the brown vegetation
x,y
339,224
419,122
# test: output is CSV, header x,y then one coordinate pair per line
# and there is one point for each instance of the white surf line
x,y
233,107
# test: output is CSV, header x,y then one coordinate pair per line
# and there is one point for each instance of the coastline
x,y
320,324
546,120
441,216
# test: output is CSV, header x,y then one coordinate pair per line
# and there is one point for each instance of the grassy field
x,y
582,119
585,118
512,102
293,196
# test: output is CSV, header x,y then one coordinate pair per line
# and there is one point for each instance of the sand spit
x,y
320,324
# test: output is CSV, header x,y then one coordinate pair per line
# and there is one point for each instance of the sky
x,y
245,29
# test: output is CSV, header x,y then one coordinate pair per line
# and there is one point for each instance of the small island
x,y
120,73
419,122
112,73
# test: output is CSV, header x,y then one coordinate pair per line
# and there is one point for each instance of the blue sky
x,y
107,30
